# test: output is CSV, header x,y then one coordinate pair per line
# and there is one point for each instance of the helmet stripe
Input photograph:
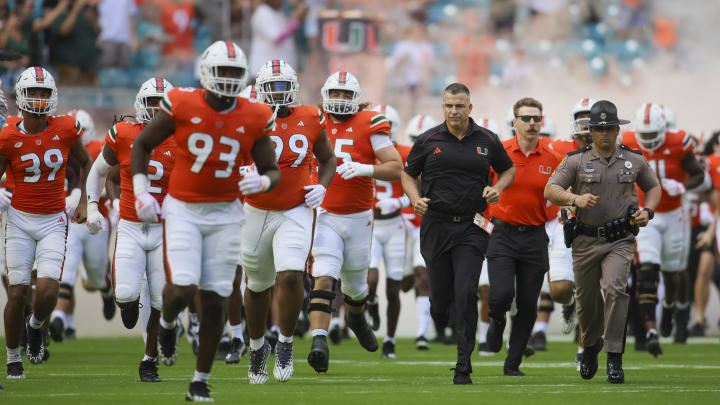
x,y
485,122
647,113
160,84
39,74
585,102
230,49
422,118
276,66
383,108
343,78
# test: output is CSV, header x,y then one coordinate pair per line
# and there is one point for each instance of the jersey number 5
x,y
339,153
201,146
53,159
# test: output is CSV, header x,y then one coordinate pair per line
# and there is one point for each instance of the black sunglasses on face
x,y
527,118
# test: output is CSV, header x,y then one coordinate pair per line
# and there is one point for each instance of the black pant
x,y
453,254
517,263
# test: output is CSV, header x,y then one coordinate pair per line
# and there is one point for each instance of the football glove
x,y
147,207
390,205
5,199
95,221
72,201
349,170
674,188
315,195
253,182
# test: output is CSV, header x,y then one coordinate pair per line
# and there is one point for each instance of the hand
x,y
315,195
388,205
587,200
349,170
5,199
674,188
491,195
641,217
95,221
80,213
421,206
147,207
253,183
72,201
114,212
704,239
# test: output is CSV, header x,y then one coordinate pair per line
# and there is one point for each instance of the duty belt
x,y
449,218
594,231
520,228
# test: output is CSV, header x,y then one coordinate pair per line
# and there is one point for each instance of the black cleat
x,y
257,370
272,339
528,350
108,307
373,311
303,324
129,313
589,363
682,318
57,329
15,371
653,343
167,342
335,334
421,343
388,350
666,318
513,372
319,356
223,349
462,374
69,334
484,350
35,345
359,326
539,342
238,348
148,371
697,330
198,392
494,336
615,373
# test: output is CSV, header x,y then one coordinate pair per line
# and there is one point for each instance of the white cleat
x,y
257,372
283,361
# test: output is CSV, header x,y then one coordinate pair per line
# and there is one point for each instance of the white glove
x,y
673,187
147,207
315,195
72,201
253,182
114,215
95,221
390,205
5,199
706,214
349,170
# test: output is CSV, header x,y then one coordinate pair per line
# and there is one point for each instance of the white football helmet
x,y
341,81
509,117
669,118
223,54
418,125
154,87
649,119
33,78
490,124
249,92
582,106
548,127
277,84
86,124
392,115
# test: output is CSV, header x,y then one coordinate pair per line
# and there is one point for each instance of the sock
x,y
482,337
390,339
193,317
257,344
540,327
334,322
581,350
106,291
13,355
372,299
237,331
58,314
69,321
146,358
651,331
682,305
319,332
423,315
225,339
35,323
167,325
285,339
667,304
204,377
275,329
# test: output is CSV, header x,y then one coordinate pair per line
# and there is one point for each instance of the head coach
x,y
452,162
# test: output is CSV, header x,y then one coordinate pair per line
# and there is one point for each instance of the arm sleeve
x,y
380,141
416,159
646,177
96,179
564,174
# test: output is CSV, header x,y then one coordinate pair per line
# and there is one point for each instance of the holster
x,y
569,226
632,226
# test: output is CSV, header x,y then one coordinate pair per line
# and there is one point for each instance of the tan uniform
x,y
598,263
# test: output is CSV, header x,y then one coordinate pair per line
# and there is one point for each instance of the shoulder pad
x,y
627,148
581,150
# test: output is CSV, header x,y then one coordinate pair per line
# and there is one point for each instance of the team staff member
x,y
518,247
603,177
454,160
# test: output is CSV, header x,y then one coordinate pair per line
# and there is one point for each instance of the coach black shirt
x,y
455,172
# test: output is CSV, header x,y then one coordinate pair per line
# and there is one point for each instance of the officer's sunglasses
x,y
527,118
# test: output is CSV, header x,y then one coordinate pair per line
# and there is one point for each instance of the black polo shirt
x,y
455,172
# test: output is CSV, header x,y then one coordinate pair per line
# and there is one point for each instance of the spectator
x,y
272,34
116,24
71,38
150,38
214,15
177,18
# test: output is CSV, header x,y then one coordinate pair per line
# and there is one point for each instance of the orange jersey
x,y
666,162
211,144
293,137
9,182
523,203
120,139
562,147
95,148
351,141
391,189
38,162
713,168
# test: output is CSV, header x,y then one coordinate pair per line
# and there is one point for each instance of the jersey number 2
x,y
52,158
201,146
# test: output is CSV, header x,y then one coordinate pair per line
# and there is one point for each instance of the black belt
x,y
593,231
449,218
519,228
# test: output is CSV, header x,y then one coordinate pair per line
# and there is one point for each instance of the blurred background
x,y
404,52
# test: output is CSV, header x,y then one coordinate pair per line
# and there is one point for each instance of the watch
x,y
650,212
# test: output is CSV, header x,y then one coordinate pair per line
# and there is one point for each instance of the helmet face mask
x,y
579,118
147,101
224,69
650,126
35,91
341,94
277,84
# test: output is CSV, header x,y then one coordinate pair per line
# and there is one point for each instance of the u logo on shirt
x,y
482,151
545,169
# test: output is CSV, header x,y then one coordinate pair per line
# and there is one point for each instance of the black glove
x,y
631,225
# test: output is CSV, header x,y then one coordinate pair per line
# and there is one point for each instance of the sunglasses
x,y
527,118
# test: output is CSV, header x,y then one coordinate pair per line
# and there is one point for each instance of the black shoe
x,y
697,330
528,351
666,317
653,343
303,324
615,373
129,313
272,339
589,363
513,372
539,342
335,334
494,336
362,331
462,374
57,329
198,392
238,348
284,361
223,350
148,371
440,337
484,350
69,333
35,344
108,307
167,342
15,371
319,356
373,311
388,350
640,345
421,343
682,318
257,370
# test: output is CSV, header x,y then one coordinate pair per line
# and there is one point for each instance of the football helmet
x,y
490,124
87,124
579,127
154,87
650,126
548,127
33,78
418,125
223,54
249,92
392,115
277,84
669,118
341,81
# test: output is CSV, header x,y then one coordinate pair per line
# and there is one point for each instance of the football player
x,y
343,230
214,130
138,246
277,233
37,147
664,245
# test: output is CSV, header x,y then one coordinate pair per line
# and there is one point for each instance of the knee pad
x,y
321,294
66,291
545,307
648,277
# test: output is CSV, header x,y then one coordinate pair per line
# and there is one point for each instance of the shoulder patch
x,y
627,148
581,150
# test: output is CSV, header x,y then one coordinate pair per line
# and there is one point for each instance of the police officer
x,y
603,177
454,160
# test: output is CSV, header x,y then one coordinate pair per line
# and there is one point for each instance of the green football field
x,y
104,371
